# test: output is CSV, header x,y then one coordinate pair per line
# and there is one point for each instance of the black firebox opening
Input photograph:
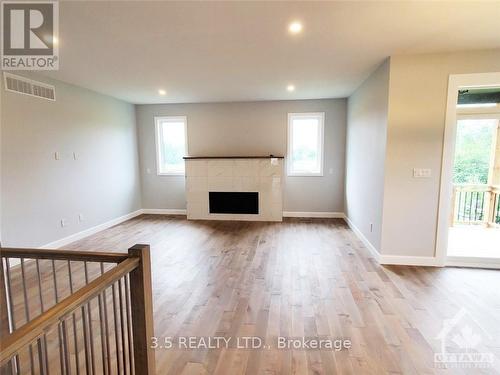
x,y
233,202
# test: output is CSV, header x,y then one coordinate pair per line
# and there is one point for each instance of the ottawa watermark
x,y
250,342
30,35
460,339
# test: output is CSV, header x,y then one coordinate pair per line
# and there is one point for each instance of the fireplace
x,y
234,188
221,202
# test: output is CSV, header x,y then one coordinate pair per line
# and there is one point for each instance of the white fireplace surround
x,y
232,174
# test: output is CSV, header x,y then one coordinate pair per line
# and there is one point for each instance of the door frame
x,y
455,82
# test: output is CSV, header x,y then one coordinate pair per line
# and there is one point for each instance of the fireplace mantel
x,y
238,174
233,157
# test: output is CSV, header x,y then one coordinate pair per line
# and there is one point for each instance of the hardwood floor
x,y
300,278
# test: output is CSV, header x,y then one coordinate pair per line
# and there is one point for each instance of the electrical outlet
x,y
421,173
57,156
64,222
148,170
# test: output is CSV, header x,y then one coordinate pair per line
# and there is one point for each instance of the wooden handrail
x,y
35,328
478,186
72,255
472,187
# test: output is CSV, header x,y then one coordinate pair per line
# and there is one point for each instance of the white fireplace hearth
x,y
261,175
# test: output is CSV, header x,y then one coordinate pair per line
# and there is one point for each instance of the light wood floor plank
x,y
302,277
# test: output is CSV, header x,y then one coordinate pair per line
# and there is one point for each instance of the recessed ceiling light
x,y
162,92
290,88
295,27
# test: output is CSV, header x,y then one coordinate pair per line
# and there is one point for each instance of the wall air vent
x,y
22,85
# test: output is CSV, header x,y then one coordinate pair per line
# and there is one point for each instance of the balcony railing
x,y
476,204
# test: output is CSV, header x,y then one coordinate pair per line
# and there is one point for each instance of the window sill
x,y
171,174
305,174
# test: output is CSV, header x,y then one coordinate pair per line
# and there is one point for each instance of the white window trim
x,y
321,117
157,120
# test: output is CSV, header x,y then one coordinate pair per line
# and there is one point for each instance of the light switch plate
x,y
421,173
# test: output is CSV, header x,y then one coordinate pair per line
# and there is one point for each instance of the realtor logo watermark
x,y
461,337
30,35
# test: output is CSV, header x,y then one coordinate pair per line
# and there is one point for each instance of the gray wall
x,y
365,154
246,128
37,191
417,107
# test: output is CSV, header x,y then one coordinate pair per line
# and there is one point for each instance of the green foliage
x,y
473,151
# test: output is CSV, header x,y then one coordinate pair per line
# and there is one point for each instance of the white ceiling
x,y
235,51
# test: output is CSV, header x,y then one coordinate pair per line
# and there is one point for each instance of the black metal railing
x,y
496,209
476,204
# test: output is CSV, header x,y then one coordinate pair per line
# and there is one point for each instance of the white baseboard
x,y
326,215
492,263
173,211
392,259
159,211
88,232
404,260
476,262
363,239
164,211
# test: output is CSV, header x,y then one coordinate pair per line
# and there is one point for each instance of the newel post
x,y
4,314
142,311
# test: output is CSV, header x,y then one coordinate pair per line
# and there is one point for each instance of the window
x,y
170,145
305,144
